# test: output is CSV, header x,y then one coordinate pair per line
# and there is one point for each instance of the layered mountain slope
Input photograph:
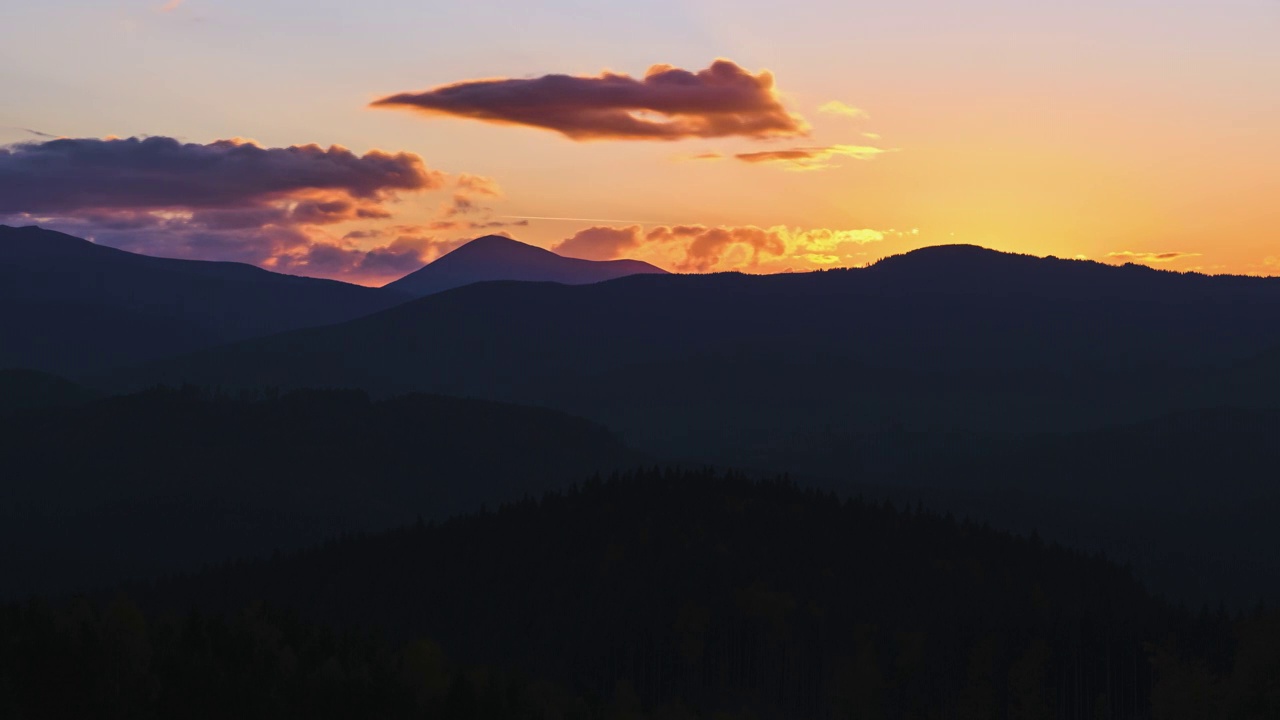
x,y
171,479
71,307
940,338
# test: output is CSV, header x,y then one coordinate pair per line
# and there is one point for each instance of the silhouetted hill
x,y
71,307
944,338
660,596
171,479
494,257
1185,498
22,390
787,372
724,595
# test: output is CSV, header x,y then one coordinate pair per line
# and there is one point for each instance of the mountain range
x,y
72,307
1027,391
946,338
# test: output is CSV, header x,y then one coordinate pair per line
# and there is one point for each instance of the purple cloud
x,y
668,103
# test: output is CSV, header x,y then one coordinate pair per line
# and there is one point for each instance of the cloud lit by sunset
x,y
668,103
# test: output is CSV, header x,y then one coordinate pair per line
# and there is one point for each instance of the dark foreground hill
x,y
494,257
1188,498
70,307
683,595
169,479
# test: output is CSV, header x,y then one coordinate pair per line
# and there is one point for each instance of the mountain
x,y
969,376
658,596
1185,498
942,338
70,307
702,595
170,479
494,257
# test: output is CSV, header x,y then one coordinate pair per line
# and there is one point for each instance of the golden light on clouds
x,y
1151,257
811,158
836,107
702,248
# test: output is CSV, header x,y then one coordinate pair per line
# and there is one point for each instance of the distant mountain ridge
x,y
89,486
494,257
70,306
937,338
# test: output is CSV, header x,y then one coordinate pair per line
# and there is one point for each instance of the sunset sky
x,y
767,136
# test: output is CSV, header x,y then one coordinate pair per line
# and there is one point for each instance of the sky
x,y
359,140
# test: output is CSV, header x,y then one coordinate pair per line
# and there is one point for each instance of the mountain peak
x,y
495,247
946,254
497,257
497,241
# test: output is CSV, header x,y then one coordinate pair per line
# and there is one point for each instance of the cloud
x,y
810,158
170,6
477,185
400,256
461,204
37,133
601,243
231,200
467,189
668,103
835,107
160,172
699,248
1150,257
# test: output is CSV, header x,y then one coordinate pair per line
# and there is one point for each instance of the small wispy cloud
x,y
1150,257
170,6
810,158
835,107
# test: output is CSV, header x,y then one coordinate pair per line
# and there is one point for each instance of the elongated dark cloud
x,y
160,172
668,103
232,200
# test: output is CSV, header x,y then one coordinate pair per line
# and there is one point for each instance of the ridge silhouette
x,y
173,478
995,342
494,257
69,306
